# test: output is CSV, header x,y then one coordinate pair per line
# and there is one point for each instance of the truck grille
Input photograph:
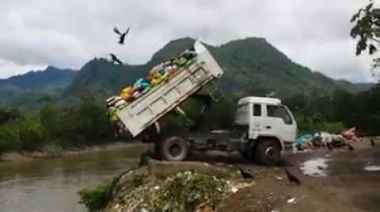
x,y
239,131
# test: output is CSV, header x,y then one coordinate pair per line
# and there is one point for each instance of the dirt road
x,y
332,181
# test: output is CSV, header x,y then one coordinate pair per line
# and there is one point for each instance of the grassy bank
x,y
54,152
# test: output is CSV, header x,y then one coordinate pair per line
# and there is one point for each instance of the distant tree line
x,y
334,112
85,123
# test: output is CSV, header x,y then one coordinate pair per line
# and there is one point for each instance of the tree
x,y
367,29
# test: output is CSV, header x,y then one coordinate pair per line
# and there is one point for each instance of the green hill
x,y
252,67
27,88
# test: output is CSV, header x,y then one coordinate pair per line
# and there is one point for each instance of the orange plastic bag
x,y
349,134
126,93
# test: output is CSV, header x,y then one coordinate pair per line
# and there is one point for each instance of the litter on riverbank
x,y
183,191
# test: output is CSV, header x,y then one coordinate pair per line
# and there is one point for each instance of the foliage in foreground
x,y
95,199
185,191
366,27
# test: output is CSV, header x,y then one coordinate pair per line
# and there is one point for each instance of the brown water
x,y
51,185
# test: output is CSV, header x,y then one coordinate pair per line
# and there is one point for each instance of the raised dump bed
x,y
157,102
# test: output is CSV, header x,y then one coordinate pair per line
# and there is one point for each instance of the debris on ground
x,y
317,140
183,191
315,167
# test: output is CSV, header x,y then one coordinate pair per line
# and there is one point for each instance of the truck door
x,y
256,120
280,122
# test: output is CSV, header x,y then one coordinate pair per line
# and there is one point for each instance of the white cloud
x,y
69,33
16,68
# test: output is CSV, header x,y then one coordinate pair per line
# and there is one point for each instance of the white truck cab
x,y
263,128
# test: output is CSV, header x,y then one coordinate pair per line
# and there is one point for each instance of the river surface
x,y
51,185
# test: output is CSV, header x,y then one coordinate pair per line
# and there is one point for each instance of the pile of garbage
x,y
184,191
159,74
317,140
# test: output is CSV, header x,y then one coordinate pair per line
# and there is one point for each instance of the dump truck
x,y
262,128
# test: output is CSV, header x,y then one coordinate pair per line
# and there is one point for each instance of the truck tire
x,y
174,149
267,152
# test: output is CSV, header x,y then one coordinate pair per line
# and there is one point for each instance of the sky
x,y
67,34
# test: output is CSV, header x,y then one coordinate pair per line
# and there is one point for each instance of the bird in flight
x,y
115,59
122,35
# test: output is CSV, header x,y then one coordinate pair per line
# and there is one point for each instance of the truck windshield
x,y
242,110
279,111
242,113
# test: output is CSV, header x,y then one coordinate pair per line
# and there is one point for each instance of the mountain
x,y
355,87
22,88
50,78
104,74
252,67
112,78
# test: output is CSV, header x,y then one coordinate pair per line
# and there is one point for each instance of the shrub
x,y
97,198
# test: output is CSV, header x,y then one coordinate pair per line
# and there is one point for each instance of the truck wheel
x,y
267,152
174,149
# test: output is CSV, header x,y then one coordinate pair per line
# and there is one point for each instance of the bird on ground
x,y
145,158
351,148
372,142
122,35
115,59
329,146
245,174
292,178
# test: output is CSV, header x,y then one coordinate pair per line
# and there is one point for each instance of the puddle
x,y
315,167
372,168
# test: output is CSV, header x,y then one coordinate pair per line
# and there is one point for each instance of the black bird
x,y
372,142
351,148
320,167
145,158
245,174
292,178
329,146
115,59
122,35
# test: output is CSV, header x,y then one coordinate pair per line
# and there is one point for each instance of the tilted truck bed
x,y
156,103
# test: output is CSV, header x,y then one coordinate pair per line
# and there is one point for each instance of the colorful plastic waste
x,y
141,84
159,74
349,134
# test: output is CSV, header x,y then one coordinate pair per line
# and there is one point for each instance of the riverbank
x,y
337,180
53,151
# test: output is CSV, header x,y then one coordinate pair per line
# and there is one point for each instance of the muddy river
x,y
52,184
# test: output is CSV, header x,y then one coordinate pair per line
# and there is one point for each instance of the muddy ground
x,y
331,181
340,185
